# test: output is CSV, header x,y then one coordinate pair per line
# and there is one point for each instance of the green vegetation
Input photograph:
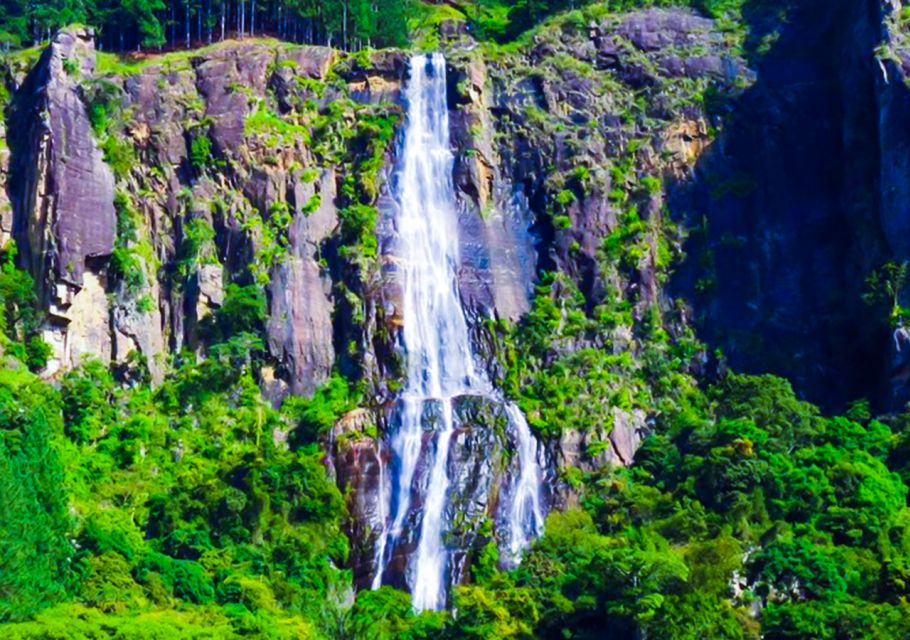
x,y
20,322
277,129
104,104
201,151
743,495
196,249
504,20
160,520
884,287
126,263
195,509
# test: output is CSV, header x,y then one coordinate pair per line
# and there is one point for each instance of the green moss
x,y
565,197
276,129
562,222
125,264
71,67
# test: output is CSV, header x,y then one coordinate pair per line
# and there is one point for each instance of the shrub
x,y
201,152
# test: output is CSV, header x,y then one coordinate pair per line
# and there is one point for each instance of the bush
x,y
315,416
201,152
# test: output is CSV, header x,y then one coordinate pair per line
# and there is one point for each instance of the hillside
x,y
289,319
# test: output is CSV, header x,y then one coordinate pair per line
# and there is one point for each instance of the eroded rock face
x,y
300,315
354,459
199,220
64,196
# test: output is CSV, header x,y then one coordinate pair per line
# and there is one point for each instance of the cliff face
x,y
198,219
800,200
63,193
148,198
892,93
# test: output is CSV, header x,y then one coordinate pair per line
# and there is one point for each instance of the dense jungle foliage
x,y
180,511
194,509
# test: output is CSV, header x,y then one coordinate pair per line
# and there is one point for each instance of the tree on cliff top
x,y
132,24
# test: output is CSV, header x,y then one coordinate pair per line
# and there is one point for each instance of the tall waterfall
x,y
440,362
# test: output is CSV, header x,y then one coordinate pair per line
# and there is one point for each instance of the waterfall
x,y
440,361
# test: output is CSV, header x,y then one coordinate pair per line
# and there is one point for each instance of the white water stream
x,y
440,362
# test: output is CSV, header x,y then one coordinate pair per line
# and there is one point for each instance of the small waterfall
x,y
440,362
525,516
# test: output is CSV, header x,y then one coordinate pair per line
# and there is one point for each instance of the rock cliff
x,y
801,199
154,199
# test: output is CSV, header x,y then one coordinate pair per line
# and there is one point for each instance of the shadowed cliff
x,y
787,211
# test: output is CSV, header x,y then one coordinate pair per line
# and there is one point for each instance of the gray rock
x,y
300,328
657,29
66,198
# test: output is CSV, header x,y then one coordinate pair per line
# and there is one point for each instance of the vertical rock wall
x,y
64,195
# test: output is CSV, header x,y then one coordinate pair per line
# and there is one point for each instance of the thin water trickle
x,y
439,356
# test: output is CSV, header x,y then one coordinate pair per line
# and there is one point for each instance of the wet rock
x,y
496,276
354,458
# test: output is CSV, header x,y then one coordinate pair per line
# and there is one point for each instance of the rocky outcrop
x,y
354,461
803,196
226,174
300,314
69,190
6,206
64,193
603,445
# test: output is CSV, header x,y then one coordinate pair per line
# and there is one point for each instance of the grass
x,y
423,25
280,130
21,60
133,63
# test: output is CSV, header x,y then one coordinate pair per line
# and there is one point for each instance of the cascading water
x,y
440,362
